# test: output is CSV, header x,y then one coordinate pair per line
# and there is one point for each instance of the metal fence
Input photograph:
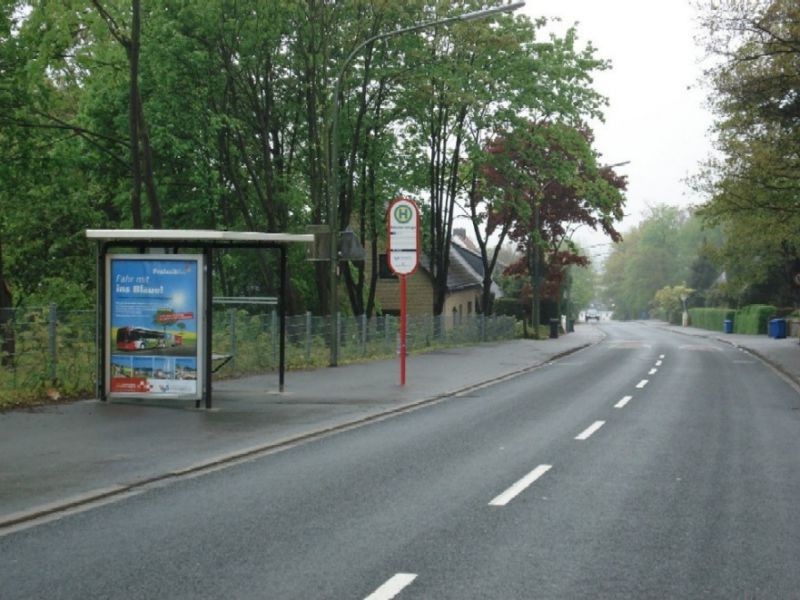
x,y
47,351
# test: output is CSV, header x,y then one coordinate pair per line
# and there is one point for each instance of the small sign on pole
x,y
403,258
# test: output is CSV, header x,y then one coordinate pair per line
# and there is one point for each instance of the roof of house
x,y
459,275
465,270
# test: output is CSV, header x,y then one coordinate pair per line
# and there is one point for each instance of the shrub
x,y
510,307
753,319
711,318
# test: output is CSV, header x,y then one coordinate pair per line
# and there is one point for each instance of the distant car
x,y
592,314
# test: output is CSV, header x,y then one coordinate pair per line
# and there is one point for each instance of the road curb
x,y
102,494
762,357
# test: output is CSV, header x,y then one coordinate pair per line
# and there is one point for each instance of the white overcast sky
x,y
656,117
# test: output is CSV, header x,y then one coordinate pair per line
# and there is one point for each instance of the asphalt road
x,y
650,465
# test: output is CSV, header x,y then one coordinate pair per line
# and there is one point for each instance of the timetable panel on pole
x,y
403,255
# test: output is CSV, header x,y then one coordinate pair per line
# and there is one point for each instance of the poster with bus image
x,y
153,324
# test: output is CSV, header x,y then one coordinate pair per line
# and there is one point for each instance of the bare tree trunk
x,y
156,219
141,153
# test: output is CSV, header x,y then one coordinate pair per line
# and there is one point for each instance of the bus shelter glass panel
x,y
154,325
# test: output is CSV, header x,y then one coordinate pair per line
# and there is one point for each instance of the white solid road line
x,y
391,588
586,433
623,402
642,383
519,487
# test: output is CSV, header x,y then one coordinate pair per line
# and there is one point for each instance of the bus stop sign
x,y
403,255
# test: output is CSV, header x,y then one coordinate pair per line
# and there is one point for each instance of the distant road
x,y
651,465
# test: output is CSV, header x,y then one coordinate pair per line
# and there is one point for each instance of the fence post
x,y
339,331
232,330
363,334
308,336
273,326
51,339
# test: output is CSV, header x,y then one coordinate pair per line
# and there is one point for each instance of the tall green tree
x,y
229,104
752,184
657,253
560,91
553,167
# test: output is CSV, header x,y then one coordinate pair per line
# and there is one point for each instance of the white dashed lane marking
x,y
623,402
587,433
394,586
519,487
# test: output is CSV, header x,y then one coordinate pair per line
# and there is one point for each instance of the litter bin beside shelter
x,y
554,323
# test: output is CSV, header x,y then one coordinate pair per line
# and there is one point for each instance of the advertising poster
x,y
154,337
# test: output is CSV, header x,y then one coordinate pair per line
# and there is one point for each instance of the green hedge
x,y
510,307
753,319
711,318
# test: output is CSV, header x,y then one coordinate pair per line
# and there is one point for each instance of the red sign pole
x,y
402,329
403,258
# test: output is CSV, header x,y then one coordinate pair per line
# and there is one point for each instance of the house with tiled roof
x,y
464,286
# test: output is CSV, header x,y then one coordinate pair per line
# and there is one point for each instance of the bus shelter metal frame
x,y
175,240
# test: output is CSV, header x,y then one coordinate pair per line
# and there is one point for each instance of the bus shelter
x,y
154,321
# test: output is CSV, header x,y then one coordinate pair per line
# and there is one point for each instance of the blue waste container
x,y
777,328
728,326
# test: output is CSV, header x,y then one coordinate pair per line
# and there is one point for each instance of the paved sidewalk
x,y
62,455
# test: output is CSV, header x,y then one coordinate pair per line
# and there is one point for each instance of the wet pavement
x,y
62,455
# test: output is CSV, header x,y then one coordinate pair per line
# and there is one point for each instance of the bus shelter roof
x,y
202,236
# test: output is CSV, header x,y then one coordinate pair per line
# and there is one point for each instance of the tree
x,y
141,154
753,183
561,71
463,101
657,253
670,301
553,169
84,82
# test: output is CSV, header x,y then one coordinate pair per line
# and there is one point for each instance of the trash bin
x,y
570,325
554,323
777,328
780,331
728,326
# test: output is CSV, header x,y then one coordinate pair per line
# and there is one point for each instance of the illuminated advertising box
x,y
154,327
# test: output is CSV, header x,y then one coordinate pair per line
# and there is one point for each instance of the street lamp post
x,y
333,166
685,316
